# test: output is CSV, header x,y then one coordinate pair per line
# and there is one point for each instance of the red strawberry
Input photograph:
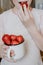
x,y
13,37
14,42
22,3
20,39
6,39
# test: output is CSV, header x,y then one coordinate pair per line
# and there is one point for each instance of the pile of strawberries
x,y
12,39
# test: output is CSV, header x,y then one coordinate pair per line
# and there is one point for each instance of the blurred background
x,y
6,4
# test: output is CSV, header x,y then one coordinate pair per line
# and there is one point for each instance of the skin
x,y
28,21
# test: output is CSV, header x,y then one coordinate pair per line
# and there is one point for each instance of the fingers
x,y
19,15
12,53
4,54
5,47
22,14
19,8
29,2
17,5
30,14
9,60
4,51
15,61
25,11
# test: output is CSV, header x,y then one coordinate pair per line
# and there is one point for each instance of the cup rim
x,y
14,44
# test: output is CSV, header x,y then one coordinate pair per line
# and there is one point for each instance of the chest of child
x,y
12,25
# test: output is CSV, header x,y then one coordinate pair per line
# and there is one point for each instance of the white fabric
x,y
13,25
38,16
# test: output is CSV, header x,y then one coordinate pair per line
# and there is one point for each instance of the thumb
x,y
12,53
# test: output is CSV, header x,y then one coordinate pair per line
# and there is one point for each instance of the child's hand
x,y
25,16
4,53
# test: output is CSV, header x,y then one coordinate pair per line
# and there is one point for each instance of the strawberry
x,y
22,3
20,39
13,37
6,39
14,42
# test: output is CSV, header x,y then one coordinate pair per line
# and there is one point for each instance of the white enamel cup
x,y
19,51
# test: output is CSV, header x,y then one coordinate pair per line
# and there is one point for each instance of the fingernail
x,y
24,5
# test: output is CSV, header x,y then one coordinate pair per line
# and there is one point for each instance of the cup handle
x,y
8,52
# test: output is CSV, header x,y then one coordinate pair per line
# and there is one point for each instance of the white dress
x,y
13,25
